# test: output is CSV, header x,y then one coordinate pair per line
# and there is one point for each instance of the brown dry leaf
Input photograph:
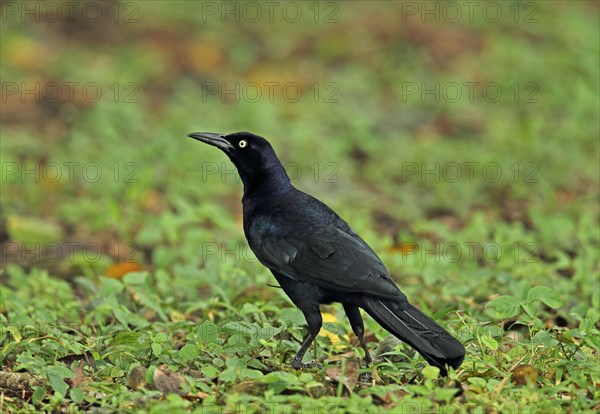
x,y
118,270
79,376
167,381
255,293
403,248
137,377
206,56
341,356
277,81
85,357
251,387
524,374
149,315
389,399
445,47
350,373
198,396
152,201
194,373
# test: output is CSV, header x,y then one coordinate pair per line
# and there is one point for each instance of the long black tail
x,y
418,330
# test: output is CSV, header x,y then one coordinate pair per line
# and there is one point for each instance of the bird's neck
x,y
270,181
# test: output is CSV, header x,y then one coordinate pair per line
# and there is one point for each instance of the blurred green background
x,y
374,107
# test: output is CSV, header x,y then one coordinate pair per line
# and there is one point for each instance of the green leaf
x,y
130,340
420,389
210,371
76,395
279,381
110,287
135,278
544,338
477,382
251,373
306,377
58,384
116,372
32,230
593,341
489,342
445,394
529,310
188,353
228,375
236,362
207,332
156,348
14,331
38,395
431,372
8,348
153,304
546,295
506,306
280,376
150,374
123,315
61,371
239,329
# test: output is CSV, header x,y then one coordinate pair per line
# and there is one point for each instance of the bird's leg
x,y
314,321
353,314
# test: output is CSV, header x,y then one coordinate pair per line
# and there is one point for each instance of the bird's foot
x,y
368,377
297,364
365,377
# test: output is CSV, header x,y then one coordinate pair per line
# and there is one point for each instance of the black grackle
x,y
318,259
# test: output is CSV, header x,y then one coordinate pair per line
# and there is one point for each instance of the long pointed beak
x,y
216,140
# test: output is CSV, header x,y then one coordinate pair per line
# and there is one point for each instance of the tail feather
x,y
412,326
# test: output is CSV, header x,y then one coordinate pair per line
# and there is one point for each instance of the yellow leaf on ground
x,y
333,337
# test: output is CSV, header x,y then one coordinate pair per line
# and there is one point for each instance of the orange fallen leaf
x,y
118,270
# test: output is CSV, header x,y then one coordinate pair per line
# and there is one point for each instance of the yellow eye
x,y
243,144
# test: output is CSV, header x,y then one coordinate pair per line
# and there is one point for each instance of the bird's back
x,y
295,234
289,213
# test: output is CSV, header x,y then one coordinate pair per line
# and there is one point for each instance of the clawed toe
x,y
296,364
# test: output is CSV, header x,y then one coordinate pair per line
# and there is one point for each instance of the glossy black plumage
x,y
317,258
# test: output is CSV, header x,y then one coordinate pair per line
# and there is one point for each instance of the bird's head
x,y
252,155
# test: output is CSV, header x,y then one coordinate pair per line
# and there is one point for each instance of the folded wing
x,y
327,257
